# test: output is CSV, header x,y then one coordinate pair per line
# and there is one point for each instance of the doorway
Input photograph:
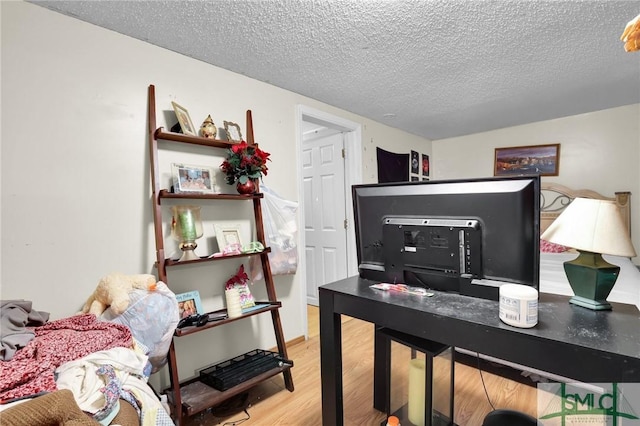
x,y
330,161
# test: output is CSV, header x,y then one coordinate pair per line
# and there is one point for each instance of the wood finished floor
x,y
272,404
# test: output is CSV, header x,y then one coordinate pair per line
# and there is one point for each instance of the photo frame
x,y
189,303
234,134
228,234
193,179
543,160
184,119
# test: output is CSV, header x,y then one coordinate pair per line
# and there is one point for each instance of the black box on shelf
x,y
230,373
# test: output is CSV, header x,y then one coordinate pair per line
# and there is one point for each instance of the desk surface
x,y
563,335
570,341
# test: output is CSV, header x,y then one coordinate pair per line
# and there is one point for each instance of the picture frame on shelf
x,y
192,179
234,134
184,119
228,235
543,160
189,303
227,231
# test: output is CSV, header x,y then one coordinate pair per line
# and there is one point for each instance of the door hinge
x,y
346,224
344,153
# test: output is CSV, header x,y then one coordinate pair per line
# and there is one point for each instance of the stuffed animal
x,y
113,291
631,35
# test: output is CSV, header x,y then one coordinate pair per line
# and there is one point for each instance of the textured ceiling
x,y
436,68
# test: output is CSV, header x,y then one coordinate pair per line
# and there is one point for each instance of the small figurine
x,y
208,128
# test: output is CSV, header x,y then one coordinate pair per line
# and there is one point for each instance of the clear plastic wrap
x,y
281,234
152,317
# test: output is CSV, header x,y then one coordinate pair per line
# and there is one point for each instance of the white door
x,y
323,172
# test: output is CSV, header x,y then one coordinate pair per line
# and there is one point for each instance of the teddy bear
x,y
113,291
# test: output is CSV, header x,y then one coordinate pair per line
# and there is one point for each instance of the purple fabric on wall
x,y
392,167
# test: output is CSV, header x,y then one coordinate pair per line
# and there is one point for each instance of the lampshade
x,y
591,225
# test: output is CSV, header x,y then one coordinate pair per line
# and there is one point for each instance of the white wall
x,y
598,151
75,174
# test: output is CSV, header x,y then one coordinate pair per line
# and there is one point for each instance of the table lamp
x,y
186,228
593,227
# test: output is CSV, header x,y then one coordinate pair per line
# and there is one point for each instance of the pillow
x,y
549,247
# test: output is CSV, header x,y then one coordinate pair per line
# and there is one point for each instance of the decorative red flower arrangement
x,y
238,279
244,162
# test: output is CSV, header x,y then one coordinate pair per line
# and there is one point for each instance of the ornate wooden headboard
x,y
555,197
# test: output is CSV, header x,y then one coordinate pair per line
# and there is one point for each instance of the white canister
x,y
234,310
519,305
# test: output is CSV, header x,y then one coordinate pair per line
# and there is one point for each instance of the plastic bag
x,y
280,232
152,317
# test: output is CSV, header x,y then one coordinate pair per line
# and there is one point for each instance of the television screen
x,y
466,236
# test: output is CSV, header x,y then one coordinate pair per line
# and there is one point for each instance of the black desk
x,y
570,341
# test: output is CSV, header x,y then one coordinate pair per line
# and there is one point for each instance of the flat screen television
x,y
464,236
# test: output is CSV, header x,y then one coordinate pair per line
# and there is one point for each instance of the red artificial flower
x,y
240,277
244,162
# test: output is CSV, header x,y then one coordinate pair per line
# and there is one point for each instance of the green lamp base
x,y
596,305
591,279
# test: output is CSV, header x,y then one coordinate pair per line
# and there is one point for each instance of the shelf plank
x,y
270,306
164,193
172,262
197,397
193,140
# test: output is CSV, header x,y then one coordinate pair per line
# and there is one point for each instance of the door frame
x,y
352,175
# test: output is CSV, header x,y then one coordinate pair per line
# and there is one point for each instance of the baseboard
x,y
295,341
290,343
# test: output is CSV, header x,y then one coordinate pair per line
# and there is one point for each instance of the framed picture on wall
x,y
543,160
425,165
415,162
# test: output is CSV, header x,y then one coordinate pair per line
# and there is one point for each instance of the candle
x,y
187,225
234,309
416,391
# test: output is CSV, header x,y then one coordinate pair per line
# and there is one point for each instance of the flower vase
x,y
247,188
